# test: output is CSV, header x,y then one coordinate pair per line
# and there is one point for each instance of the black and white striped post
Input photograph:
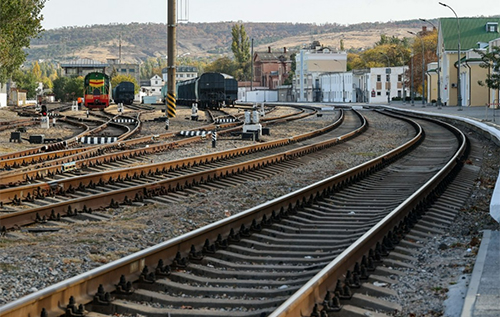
x,y
214,139
167,123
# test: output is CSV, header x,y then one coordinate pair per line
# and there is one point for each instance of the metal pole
x,y
343,88
301,95
412,93
423,71
459,89
172,51
251,70
403,75
389,83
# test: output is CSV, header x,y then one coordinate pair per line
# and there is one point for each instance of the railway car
x,y
207,90
96,90
231,88
124,93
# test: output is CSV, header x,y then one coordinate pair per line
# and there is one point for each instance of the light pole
x,y
459,92
389,83
423,66
412,95
438,69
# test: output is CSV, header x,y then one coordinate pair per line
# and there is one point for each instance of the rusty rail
x,y
83,287
28,216
313,292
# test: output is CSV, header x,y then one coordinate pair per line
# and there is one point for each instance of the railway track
x,y
89,191
279,258
33,166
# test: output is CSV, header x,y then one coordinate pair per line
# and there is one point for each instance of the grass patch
x,y
5,267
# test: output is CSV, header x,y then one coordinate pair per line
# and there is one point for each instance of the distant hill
x,y
202,40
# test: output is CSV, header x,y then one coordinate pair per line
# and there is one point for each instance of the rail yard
x,y
334,212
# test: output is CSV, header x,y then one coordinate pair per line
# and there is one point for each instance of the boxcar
x,y
231,89
124,93
207,90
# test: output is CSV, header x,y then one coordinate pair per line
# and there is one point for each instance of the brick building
x,y
271,68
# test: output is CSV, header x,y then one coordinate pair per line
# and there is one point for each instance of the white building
x,y
154,87
311,63
371,85
181,73
336,87
385,83
3,95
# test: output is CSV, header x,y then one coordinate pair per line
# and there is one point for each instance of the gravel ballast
x,y
33,261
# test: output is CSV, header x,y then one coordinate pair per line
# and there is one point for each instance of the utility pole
x,y
251,69
171,42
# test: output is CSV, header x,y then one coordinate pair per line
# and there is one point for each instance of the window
x,y
379,77
492,27
379,93
400,77
387,77
131,70
123,70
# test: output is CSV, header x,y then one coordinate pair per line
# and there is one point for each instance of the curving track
x,y
279,258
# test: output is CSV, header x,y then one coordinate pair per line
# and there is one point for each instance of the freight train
x,y
96,90
209,91
124,93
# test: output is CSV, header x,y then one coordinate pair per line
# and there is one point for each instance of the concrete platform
x,y
483,295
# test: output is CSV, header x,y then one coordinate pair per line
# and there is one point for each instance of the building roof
x,y
472,31
273,56
84,62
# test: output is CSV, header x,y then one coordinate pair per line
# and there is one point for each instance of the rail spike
x,y
146,276
124,287
74,311
102,298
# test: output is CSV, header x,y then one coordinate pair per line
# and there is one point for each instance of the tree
x,y
36,70
65,89
19,22
121,78
241,50
26,80
491,60
223,65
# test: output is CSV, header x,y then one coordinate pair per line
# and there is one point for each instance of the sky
x,y
60,13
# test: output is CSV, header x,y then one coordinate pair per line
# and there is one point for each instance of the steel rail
x,y
84,286
314,291
25,217
82,161
58,158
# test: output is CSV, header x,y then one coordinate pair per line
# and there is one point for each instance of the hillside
x,y
202,40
